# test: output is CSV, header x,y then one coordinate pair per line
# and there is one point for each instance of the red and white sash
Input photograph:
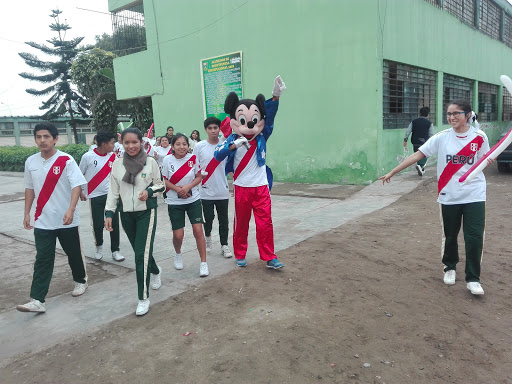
x,y
101,175
183,170
210,168
451,169
50,182
245,160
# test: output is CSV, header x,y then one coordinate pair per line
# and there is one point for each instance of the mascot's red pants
x,y
255,199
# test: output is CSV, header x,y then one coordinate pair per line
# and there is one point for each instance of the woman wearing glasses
x,y
457,149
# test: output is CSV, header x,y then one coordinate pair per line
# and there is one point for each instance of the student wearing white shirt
x,y
457,149
214,186
163,150
53,179
96,166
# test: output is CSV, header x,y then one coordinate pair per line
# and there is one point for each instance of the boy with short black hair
x,y
422,129
96,166
214,185
54,179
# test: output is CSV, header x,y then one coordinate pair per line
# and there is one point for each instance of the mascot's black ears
x,y
232,102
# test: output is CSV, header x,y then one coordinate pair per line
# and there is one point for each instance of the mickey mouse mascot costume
x,y
252,122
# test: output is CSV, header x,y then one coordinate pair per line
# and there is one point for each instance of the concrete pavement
x,y
300,211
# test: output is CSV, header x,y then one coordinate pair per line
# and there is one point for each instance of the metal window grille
x,y
7,129
454,88
507,105
129,30
464,10
507,31
434,2
490,18
487,102
406,89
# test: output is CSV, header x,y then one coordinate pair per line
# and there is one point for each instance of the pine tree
x,y
64,101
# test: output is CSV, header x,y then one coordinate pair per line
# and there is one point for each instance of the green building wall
x,y
329,128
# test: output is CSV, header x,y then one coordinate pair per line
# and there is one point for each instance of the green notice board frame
x,y
220,75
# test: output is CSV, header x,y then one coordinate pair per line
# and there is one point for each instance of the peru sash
x,y
451,169
183,170
50,182
101,175
210,168
245,160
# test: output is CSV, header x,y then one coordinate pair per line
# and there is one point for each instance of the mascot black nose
x,y
250,124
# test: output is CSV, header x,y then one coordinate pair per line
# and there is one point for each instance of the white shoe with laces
x,y
142,307
32,306
178,261
224,250
117,256
449,277
203,269
99,252
79,289
209,243
420,170
157,280
475,288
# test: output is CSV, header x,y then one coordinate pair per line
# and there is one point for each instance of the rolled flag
x,y
225,127
150,129
494,151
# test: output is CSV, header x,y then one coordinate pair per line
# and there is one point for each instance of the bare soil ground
x,y
364,303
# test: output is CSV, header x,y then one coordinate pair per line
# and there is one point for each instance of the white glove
x,y
204,173
279,86
241,141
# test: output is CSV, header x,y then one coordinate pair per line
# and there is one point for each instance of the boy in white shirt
x,y
53,179
214,185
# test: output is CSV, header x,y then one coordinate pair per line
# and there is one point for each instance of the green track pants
x,y
46,240
97,205
472,217
140,228
209,215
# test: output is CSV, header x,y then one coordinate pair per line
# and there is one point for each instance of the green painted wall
x,y
329,53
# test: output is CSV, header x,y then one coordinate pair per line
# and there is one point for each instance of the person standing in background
x,y
422,129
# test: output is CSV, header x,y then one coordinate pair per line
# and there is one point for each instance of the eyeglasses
x,y
454,114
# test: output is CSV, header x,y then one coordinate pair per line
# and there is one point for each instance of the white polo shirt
x,y
216,186
36,171
90,165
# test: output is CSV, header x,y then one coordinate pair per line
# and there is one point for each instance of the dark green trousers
x,y
97,205
46,240
472,217
423,161
140,228
222,212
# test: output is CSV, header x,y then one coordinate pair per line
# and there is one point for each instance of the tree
x,y
64,101
125,40
88,73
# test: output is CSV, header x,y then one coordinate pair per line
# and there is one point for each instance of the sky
x,y
28,20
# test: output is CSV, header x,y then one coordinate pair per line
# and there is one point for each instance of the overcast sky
x,y
28,20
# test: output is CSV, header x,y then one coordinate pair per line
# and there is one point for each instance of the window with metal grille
x,y
507,30
464,10
434,2
455,88
507,105
487,102
7,129
129,30
490,18
406,89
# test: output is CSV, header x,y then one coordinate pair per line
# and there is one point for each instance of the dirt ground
x,y
364,303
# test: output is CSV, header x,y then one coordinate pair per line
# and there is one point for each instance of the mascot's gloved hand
x,y
204,173
279,86
241,141
225,127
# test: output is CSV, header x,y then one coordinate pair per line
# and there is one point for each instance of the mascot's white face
x,y
247,121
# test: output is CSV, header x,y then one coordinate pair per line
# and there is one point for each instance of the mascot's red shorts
x,y
255,199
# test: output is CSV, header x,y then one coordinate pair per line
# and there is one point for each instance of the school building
x,y
357,71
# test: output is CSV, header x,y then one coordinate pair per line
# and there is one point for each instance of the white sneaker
x,y
117,256
142,307
178,261
203,269
475,288
420,170
157,281
99,252
449,277
209,243
32,306
224,250
79,289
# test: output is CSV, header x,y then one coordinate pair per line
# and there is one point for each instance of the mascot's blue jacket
x,y
222,150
